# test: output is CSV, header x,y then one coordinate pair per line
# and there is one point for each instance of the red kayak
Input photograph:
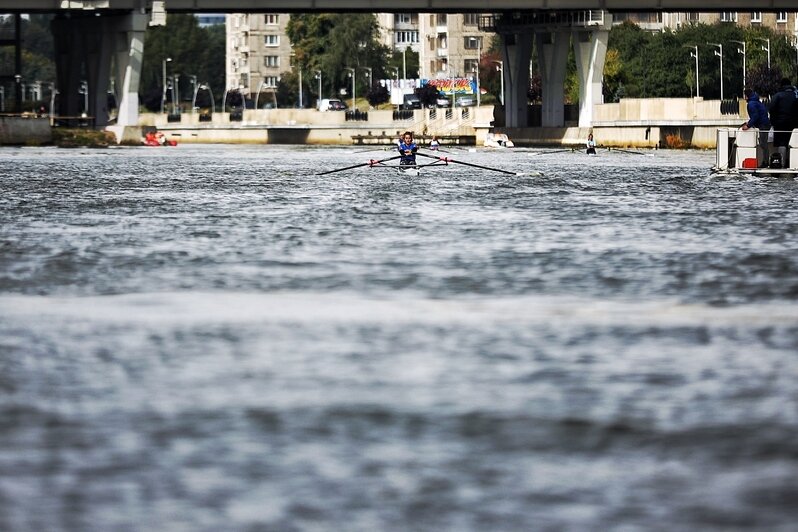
x,y
158,139
154,142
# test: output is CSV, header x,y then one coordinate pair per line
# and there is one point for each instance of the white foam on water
x,y
240,307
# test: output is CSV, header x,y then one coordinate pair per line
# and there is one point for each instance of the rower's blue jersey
x,y
407,159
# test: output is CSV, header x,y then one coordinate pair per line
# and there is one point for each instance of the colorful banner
x,y
447,86
451,86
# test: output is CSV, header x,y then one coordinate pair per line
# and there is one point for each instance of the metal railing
x,y
541,19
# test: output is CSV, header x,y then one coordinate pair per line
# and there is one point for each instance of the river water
x,y
216,338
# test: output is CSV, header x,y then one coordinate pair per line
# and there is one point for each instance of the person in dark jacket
x,y
782,107
758,118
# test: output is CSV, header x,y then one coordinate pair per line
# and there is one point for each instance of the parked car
x,y
411,101
443,101
330,104
465,101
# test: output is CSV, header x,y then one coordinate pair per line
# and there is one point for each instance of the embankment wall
x,y
23,130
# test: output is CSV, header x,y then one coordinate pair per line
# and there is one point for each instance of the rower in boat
x,y
407,150
591,145
434,144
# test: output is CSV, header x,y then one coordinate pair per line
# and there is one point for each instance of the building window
x,y
470,65
728,16
404,37
692,17
244,80
756,16
471,19
271,61
472,43
272,20
441,19
272,40
403,18
271,81
781,17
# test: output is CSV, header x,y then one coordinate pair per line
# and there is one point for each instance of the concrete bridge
x,y
388,6
98,35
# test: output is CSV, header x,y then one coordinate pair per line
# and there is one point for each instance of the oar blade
x,y
361,165
450,160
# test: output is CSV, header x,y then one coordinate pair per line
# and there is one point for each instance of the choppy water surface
x,y
215,338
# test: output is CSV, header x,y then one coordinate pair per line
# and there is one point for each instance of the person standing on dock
x,y
782,116
758,118
407,149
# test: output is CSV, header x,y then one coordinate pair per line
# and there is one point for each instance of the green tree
x,y
37,56
336,41
194,51
409,60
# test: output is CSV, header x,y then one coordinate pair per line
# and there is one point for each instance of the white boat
x,y
741,152
498,140
409,170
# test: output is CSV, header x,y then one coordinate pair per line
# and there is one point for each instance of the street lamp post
x,y
163,70
695,54
84,90
194,91
301,103
766,48
742,51
500,70
176,94
368,74
404,63
318,77
257,94
479,56
352,75
207,88
719,53
18,91
53,93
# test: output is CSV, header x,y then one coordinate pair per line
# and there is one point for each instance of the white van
x,y
330,104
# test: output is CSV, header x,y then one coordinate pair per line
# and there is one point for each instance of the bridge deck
x,y
387,6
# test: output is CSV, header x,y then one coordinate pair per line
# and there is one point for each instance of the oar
x,y
384,148
630,152
370,163
550,152
448,160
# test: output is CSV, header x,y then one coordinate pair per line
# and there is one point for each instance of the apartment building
x,y
399,31
451,44
258,51
785,22
448,44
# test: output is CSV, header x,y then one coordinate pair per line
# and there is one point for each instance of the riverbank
x,y
79,138
632,123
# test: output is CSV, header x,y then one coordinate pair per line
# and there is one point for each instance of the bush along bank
x,y
82,138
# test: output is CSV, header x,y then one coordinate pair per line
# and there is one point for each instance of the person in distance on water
x,y
407,149
434,144
591,145
758,118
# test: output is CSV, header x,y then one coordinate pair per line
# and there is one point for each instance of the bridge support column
x,y
552,48
85,48
128,50
516,51
590,48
